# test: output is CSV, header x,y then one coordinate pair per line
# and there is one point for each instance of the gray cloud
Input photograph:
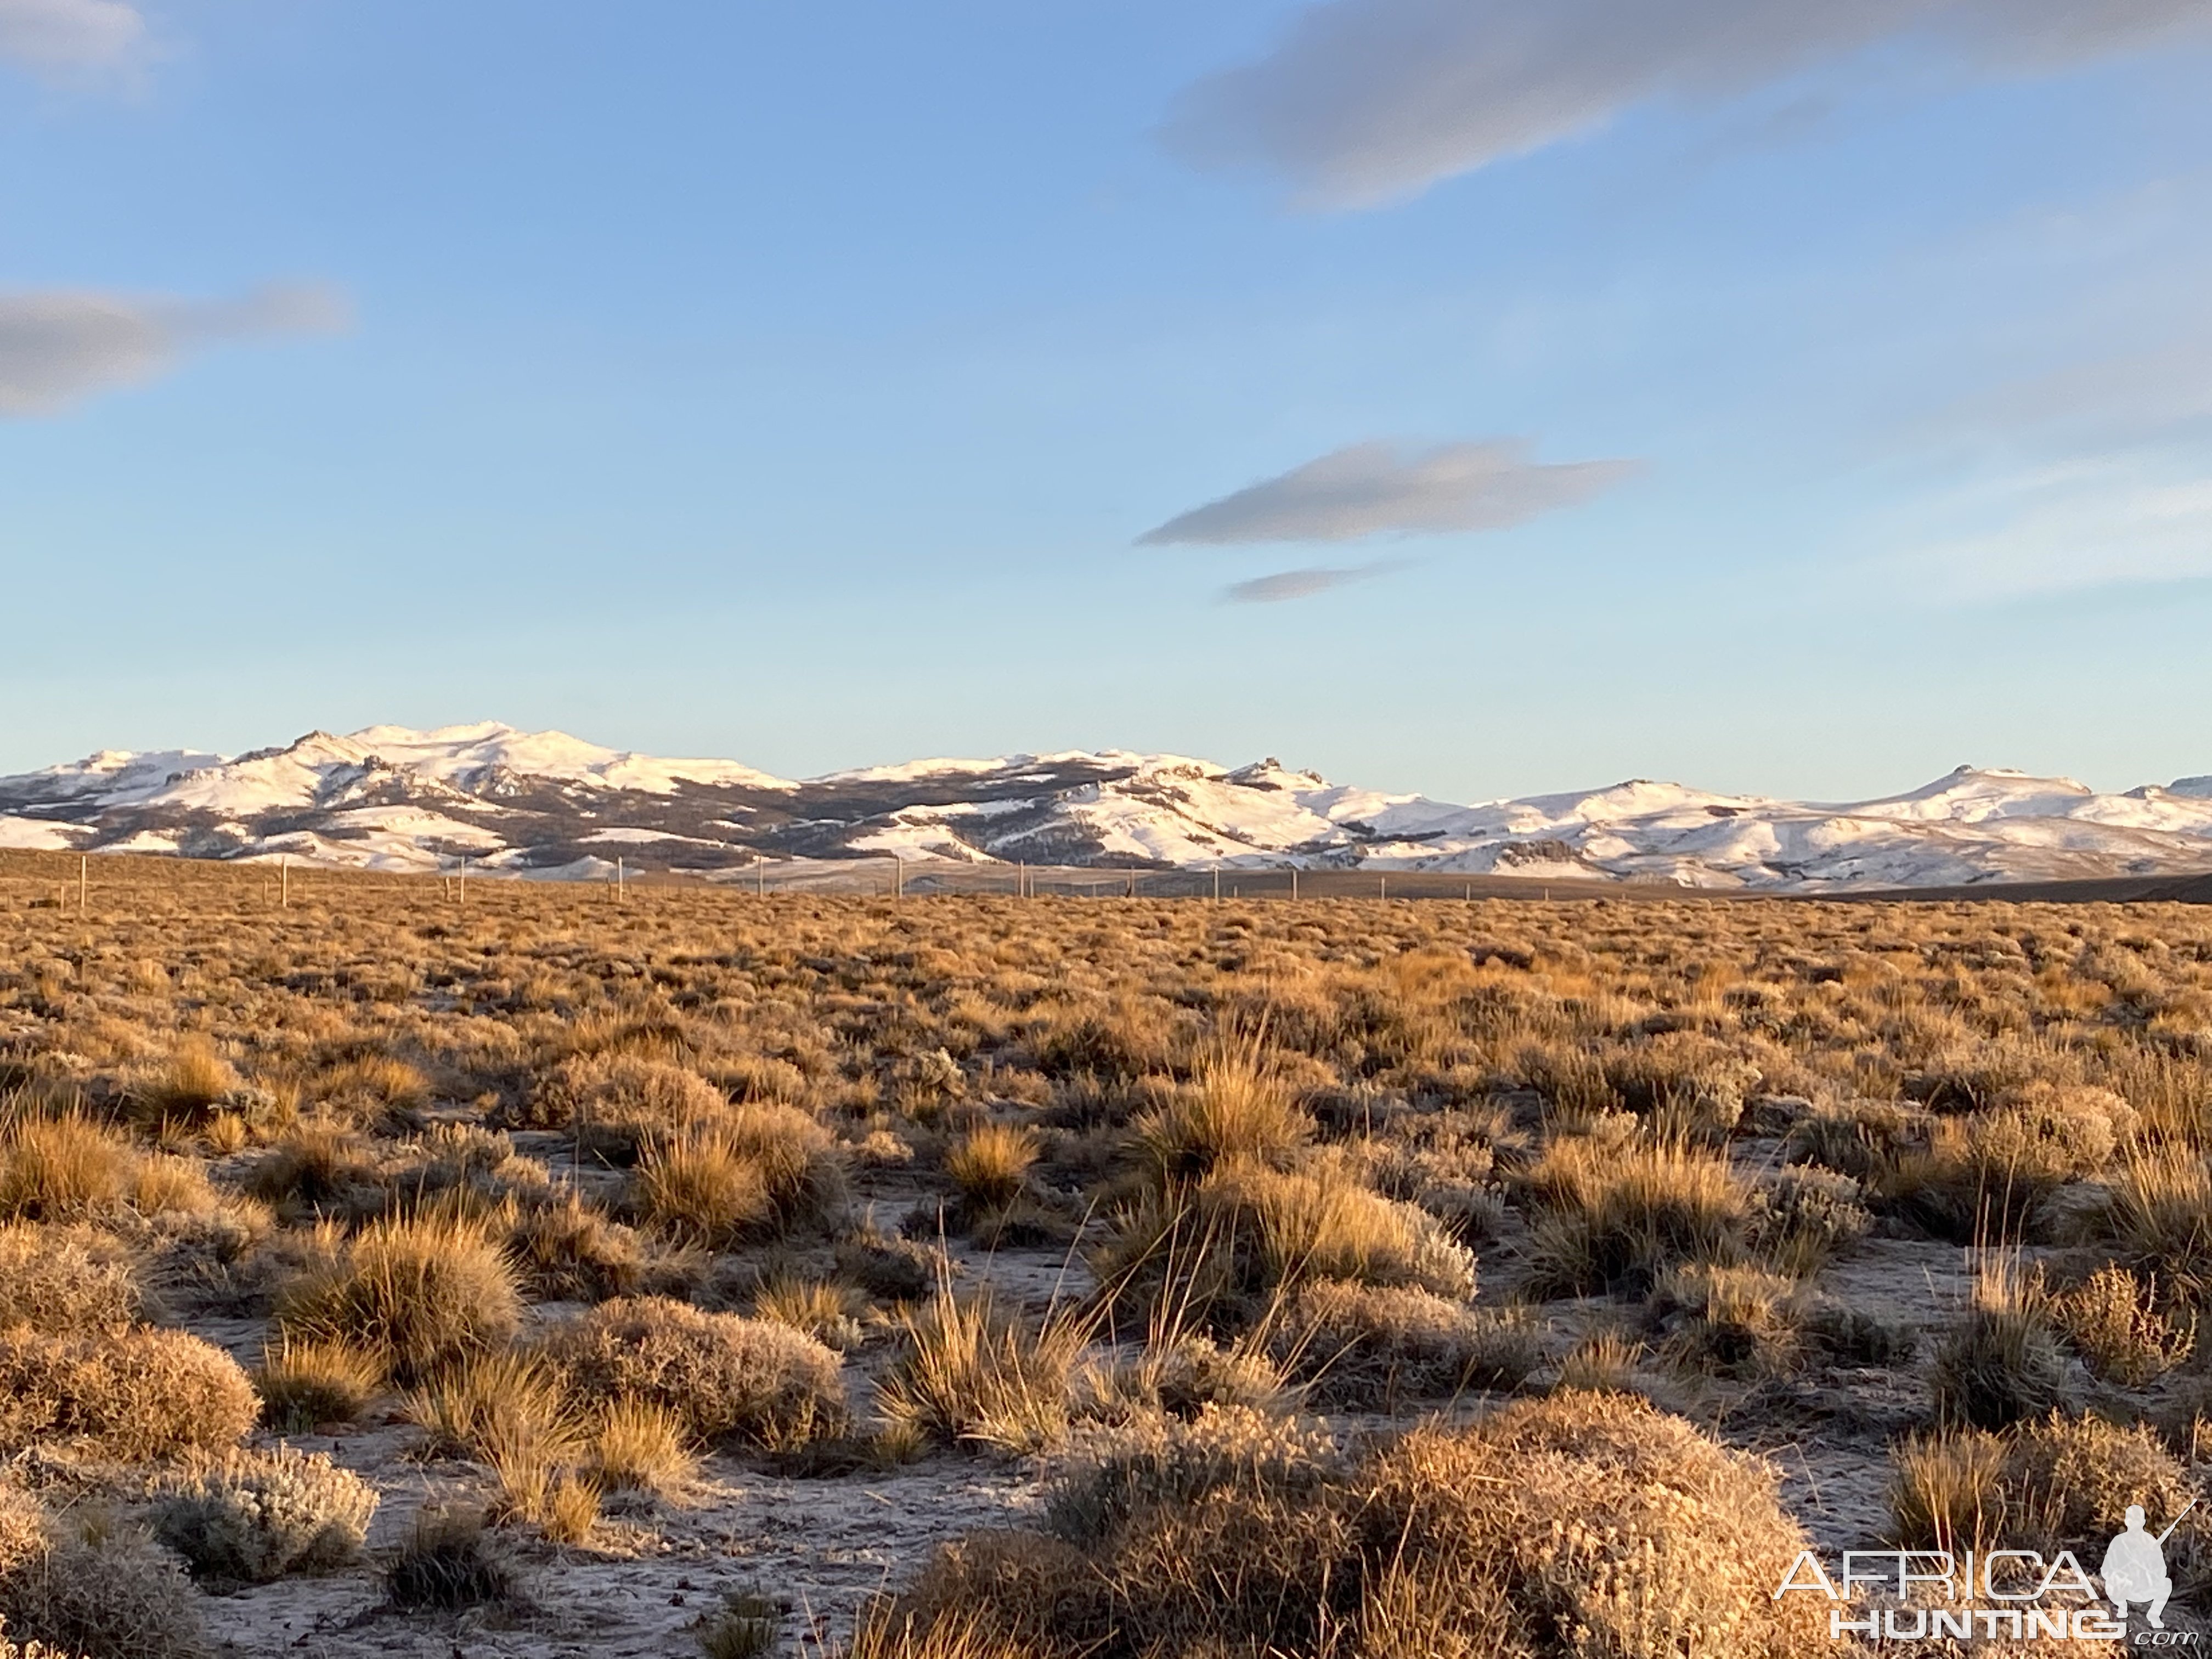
x,y
1366,100
59,346
1369,489
54,35
1303,584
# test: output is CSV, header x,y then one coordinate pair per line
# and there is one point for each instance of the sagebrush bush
x,y
2113,1320
66,1279
1108,1474
1364,1348
87,1587
733,1381
126,1394
1584,1523
2051,1483
425,1291
250,1517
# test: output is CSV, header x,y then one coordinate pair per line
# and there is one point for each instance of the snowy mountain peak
x,y
550,803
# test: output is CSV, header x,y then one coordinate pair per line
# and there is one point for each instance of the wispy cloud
x,y
1369,489
64,36
59,346
1304,584
2091,524
1368,101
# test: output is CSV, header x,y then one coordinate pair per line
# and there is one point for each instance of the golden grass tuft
x,y
640,1445
304,1383
426,1291
1236,1106
973,1371
990,1164
1612,1218
190,1088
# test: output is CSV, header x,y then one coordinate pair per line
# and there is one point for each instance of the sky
x,y
1474,396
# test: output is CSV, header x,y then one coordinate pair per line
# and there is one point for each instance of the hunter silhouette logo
x,y
1909,1595
2135,1567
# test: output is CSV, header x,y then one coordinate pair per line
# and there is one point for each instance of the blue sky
x,y
1518,394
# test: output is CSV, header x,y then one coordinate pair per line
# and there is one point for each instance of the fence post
x,y
1294,882
83,884
284,881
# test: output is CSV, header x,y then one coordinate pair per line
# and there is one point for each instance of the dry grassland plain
x,y
974,1278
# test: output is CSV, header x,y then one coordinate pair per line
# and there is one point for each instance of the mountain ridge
x,y
546,805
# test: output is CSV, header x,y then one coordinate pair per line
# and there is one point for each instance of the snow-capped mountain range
x,y
543,804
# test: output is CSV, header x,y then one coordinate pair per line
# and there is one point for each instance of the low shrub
x,y
1179,1374
1858,1138
743,1626
68,1280
2162,1215
66,1168
569,1252
190,1088
449,1564
2056,1482
824,1309
86,1587
757,1171
1604,1363
250,1517
129,1395
425,1291
732,1381
1587,1524
1111,1474
506,1405
1361,1347
628,1094
317,1169
1235,1109
2112,1319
